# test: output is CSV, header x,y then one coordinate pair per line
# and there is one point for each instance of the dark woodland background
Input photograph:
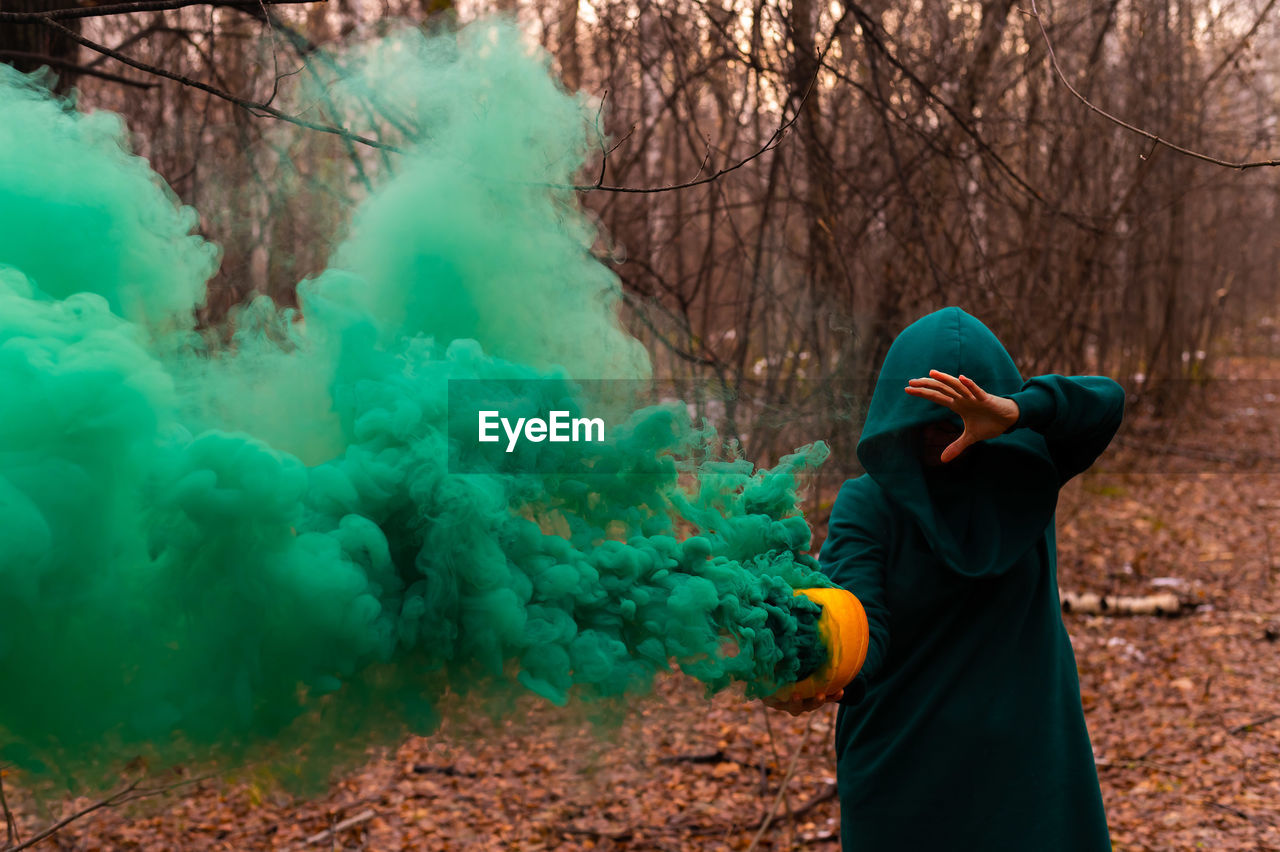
x,y
786,184
891,158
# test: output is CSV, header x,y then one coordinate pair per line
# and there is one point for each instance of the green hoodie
x,y
964,729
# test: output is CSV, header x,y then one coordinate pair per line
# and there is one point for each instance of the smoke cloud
x,y
251,543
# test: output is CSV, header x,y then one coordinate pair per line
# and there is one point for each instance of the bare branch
x,y
254,107
128,793
131,8
1230,55
874,37
1120,122
774,141
124,794
67,65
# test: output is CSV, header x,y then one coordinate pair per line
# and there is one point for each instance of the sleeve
x,y
1078,416
854,557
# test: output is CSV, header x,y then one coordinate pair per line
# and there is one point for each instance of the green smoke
x,y
258,548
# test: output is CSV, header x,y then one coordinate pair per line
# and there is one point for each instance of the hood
x,y
988,507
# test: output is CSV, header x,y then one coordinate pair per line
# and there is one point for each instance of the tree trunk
x,y
28,47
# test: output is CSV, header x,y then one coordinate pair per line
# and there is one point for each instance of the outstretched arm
x,y
1078,416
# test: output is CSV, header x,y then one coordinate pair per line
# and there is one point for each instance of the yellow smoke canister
x,y
842,626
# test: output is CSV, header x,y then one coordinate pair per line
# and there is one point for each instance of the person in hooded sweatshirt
x,y
964,728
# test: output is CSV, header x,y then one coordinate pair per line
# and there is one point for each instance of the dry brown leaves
x,y
1181,711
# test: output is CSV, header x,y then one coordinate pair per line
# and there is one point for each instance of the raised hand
x,y
985,416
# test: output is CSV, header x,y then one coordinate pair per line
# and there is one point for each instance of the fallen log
x,y
1091,603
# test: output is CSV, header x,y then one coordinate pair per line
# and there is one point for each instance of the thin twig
x,y
773,746
10,824
1249,726
782,791
130,8
773,142
717,756
871,32
254,107
1126,763
130,792
1158,140
124,794
1230,55
328,833
74,67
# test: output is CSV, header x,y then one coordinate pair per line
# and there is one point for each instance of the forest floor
x,y
1183,712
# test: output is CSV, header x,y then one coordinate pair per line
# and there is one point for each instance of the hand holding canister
x,y
843,629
